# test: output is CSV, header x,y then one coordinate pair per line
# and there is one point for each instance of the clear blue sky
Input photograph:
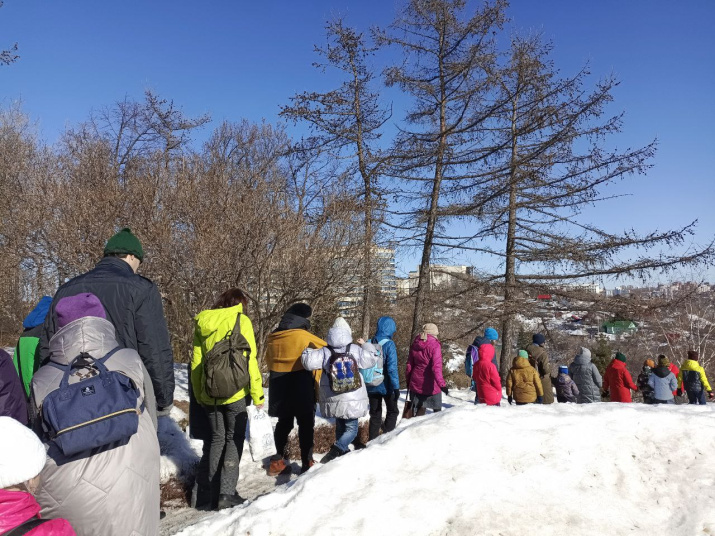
x,y
238,60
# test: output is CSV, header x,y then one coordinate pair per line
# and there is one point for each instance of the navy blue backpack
x,y
93,412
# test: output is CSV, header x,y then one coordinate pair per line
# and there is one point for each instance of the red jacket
x,y
424,366
16,507
486,376
618,381
675,370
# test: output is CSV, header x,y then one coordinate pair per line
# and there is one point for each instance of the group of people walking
x,y
93,371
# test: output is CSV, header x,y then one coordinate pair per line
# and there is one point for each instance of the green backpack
x,y
226,364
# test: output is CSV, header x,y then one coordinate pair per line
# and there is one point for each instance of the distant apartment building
x,y
440,276
383,267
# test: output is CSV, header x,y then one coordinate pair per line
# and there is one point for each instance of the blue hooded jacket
x,y
38,314
386,328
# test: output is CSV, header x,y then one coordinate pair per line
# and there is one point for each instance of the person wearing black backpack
x,y
693,381
101,487
222,393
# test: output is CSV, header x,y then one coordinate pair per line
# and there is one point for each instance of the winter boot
x,y
307,465
229,501
333,453
359,445
278,467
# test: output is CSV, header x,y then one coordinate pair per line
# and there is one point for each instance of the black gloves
x,y
445,390
539,399
510,399
680,392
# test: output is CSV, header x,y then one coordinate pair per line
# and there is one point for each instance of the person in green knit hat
x,y
133,304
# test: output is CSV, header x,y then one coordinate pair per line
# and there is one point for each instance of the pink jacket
x,y
16,507
486,376
424,366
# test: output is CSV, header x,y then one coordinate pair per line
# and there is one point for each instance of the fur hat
x,y
538,338
491,334
70,308
621,357
22,454
300,309
124,242
692,354
663,361
429,329
649,363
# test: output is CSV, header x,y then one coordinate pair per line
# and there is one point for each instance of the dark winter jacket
x,y
566,388
662,381
26,357
539,359
13,402
133,305
586,377
386,328
644,386
618,382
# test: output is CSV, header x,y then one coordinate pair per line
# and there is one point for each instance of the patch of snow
x,y
454,358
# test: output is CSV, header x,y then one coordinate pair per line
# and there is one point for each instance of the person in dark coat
x,y
26,356
13,402
292,389
133,305
539,359
389,389
643,381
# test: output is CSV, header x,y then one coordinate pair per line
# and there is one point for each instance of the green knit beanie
x,y
620,357
125,242
524,354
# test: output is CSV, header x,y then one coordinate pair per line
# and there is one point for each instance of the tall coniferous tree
x,y
345,125
449,53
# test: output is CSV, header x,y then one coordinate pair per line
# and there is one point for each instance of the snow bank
x,y
559,469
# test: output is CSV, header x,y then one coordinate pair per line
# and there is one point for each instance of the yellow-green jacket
x,y
211,326
694,366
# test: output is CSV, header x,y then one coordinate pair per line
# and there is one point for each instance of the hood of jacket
x,y
16,507
583,357
90,334
661,372
211,320
386,328
519,362
617,364
431,342
486,352
564,379
38,314
291,321
339,337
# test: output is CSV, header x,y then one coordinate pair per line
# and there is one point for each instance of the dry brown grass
x,y
323,439
175,494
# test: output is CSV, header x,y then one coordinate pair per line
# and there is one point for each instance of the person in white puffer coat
x,y
346,408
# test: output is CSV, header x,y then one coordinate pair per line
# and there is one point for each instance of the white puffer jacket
x,y
350,405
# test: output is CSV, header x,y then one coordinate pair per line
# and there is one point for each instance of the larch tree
x,y
345,125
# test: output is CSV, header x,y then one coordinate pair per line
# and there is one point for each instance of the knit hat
x,y
300,309
70,308
22,455
649,363
692,354
563,369
491,334
340,322
663,361
538,338
429,329
125,242
524,354
620,357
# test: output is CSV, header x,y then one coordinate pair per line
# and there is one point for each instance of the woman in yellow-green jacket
x,y
227,416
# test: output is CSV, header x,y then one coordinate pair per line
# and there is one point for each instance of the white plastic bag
x,y
260,434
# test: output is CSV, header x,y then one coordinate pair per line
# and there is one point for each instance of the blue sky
x,y
238,60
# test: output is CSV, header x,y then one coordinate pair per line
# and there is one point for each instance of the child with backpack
x,y
102,475
343,395
566,388
693,381
384,382
643,381
22,457
224,373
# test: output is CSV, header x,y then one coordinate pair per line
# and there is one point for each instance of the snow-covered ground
x,y
560,469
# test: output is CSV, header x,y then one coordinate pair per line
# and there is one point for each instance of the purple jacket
x,y
13,402
424,366
566,388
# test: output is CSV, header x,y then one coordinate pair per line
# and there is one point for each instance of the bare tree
x,y
8,56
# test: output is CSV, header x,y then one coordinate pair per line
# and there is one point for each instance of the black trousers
x,y
376,414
